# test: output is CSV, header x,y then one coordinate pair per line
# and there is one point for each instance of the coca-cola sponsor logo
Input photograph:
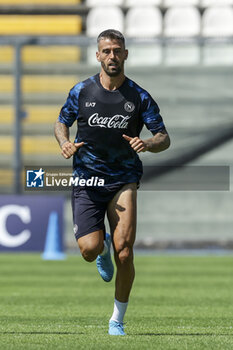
x,y
117,121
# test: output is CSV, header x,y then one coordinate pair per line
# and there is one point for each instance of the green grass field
x,y
176,303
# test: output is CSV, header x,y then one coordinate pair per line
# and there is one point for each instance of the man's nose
x,y
112,54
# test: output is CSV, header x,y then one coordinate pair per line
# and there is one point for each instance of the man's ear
x,y
98,56
126,54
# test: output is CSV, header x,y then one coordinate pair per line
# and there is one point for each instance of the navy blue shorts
x,y
89,207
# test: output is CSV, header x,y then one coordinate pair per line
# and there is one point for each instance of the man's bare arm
x,y
61,132
158,143
62,135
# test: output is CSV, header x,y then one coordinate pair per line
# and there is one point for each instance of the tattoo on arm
x,y
61,132
159,142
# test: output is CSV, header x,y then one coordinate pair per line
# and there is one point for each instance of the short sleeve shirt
x,y
102,118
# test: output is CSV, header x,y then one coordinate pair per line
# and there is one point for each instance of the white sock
x,y
105,250
119,311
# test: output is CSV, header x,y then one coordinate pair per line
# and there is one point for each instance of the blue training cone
x,y
53,248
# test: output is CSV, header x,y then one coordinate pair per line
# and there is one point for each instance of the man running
x,y
110,110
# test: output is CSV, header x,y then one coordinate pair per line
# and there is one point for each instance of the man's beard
x,y
114,73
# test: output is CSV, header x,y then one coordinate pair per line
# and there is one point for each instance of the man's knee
x,y
90,248
124,254
89,254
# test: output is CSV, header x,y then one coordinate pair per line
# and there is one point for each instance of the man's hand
x,y
136,143
158,143
69,148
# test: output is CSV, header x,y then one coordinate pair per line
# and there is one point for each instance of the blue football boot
x,y
104,263
116,328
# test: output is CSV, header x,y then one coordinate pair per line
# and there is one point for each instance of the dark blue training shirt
x,y
103,116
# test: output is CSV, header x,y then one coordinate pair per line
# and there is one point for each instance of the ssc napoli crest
x,y
129,106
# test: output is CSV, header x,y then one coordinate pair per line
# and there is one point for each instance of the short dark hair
x,y
111,34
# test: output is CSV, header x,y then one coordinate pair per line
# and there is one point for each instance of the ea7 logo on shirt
x,y
129,106
90,104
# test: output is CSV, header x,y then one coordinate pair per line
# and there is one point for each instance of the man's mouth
x,y
113,65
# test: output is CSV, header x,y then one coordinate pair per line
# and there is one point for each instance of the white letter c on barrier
x,y
24,214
